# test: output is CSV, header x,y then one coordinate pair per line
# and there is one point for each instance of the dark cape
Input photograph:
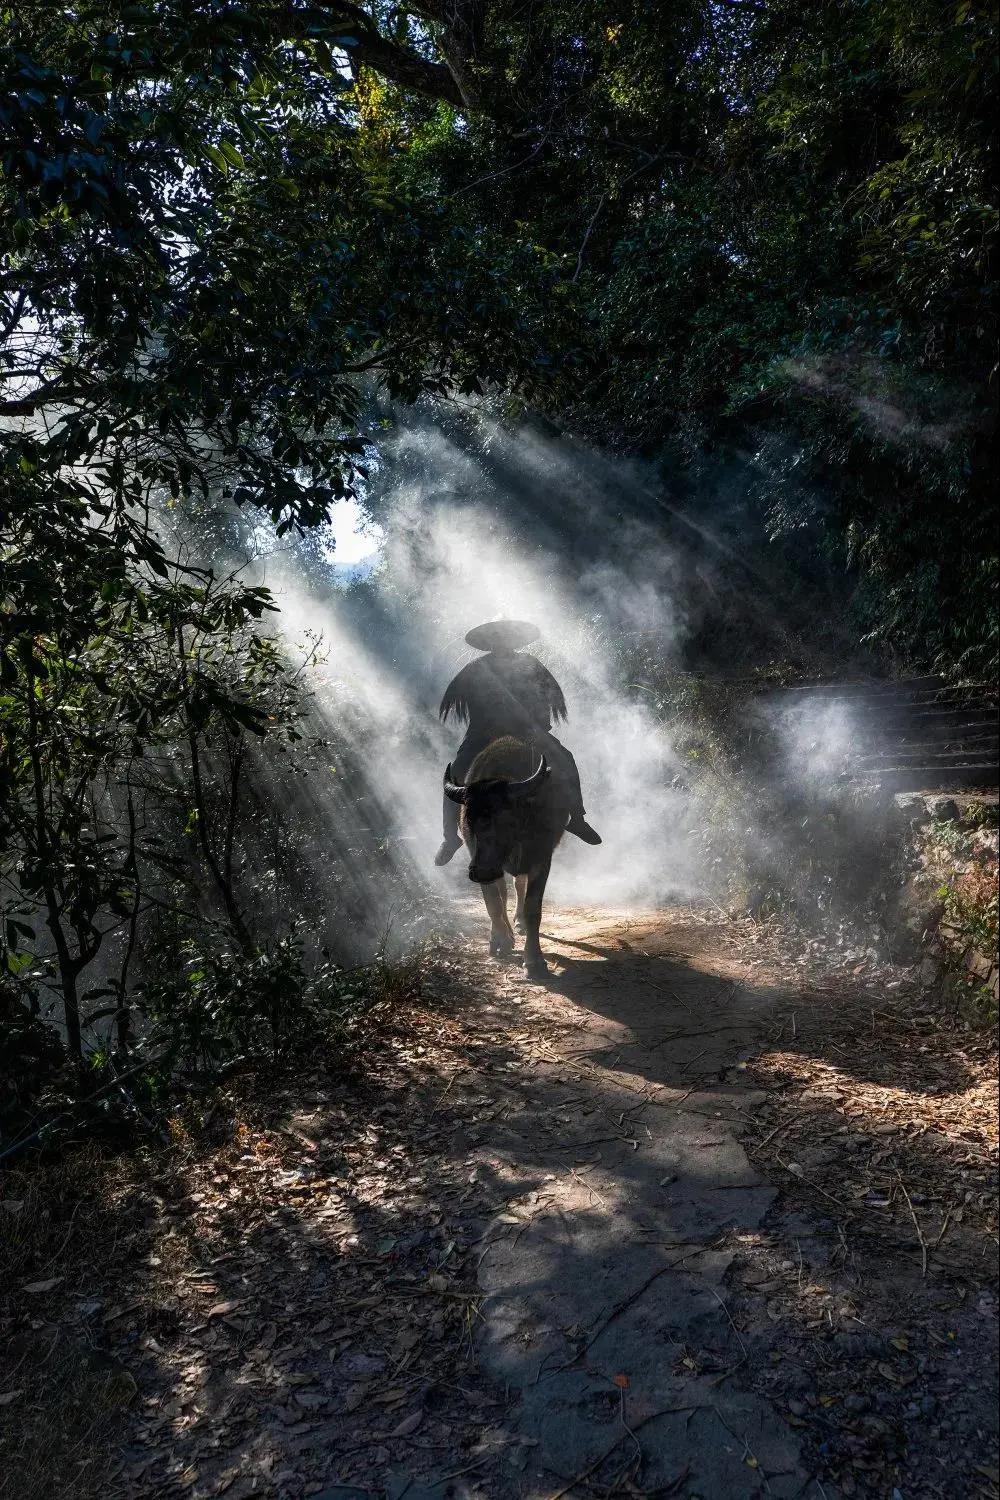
x,y
504,691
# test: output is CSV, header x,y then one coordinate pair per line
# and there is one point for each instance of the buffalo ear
x,y
455,792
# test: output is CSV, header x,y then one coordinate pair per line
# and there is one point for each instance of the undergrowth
x,y
781,837
203,1014
226,1033
962,856
970,932
62,1398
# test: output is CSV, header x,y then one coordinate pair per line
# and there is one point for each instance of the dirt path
x,y
527,1256
632,1190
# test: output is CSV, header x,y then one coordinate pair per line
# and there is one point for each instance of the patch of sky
x,y
350,542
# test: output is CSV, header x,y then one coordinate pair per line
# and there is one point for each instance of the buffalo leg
x,y
521,887
501,932
534,962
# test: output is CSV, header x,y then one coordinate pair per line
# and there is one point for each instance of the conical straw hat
x,y
495,635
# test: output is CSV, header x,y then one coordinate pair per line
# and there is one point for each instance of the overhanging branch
x,y
397,63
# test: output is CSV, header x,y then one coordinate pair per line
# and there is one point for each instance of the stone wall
x,y
944,915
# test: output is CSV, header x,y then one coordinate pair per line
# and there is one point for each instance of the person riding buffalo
x,y
508,692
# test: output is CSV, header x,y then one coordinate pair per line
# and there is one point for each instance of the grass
x,y
58,1436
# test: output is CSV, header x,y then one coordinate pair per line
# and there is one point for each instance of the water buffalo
x,y
512,818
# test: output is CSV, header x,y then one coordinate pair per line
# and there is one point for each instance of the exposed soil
x,y
706,1216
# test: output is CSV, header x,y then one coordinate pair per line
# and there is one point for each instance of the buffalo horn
x,y
517,790
452,789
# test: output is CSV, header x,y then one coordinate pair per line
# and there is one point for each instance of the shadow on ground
x,y
497,1264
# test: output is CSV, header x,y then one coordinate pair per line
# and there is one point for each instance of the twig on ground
x,y
455,1473
442,1096
636,1457
746,1448
725,1309
673,1103
667,1411
809,1182
591,1190
586,1473
916,1225
718,1380
943,1231
627,1302
601,1140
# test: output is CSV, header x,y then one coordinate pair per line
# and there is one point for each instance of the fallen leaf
x,y
8,1396
354,1396
222,1308
407,1425
621,1381
391,1397
43,1286
310,1400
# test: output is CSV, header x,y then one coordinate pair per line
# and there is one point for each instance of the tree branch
x,y
399,64
43,395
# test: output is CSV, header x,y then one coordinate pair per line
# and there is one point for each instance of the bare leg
x,y
501,932
451,811
534,962
520,886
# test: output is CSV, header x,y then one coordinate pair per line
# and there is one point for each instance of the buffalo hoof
x,y
520,926
501,948
536,968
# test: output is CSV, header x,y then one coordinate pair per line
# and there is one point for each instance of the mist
x,y
518,525
466,519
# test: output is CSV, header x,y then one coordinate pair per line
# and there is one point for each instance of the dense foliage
x,y
745,237
780,224
201,262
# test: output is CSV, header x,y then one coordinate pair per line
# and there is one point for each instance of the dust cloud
x,y
466,529
466,519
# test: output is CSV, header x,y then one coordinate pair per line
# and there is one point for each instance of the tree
x,y
201,268
744,233
782,225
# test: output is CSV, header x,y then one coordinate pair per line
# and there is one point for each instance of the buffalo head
x,y
493,818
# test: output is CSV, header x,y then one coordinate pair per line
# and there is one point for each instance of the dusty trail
x,y
559,1169
525,1255
634,1193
